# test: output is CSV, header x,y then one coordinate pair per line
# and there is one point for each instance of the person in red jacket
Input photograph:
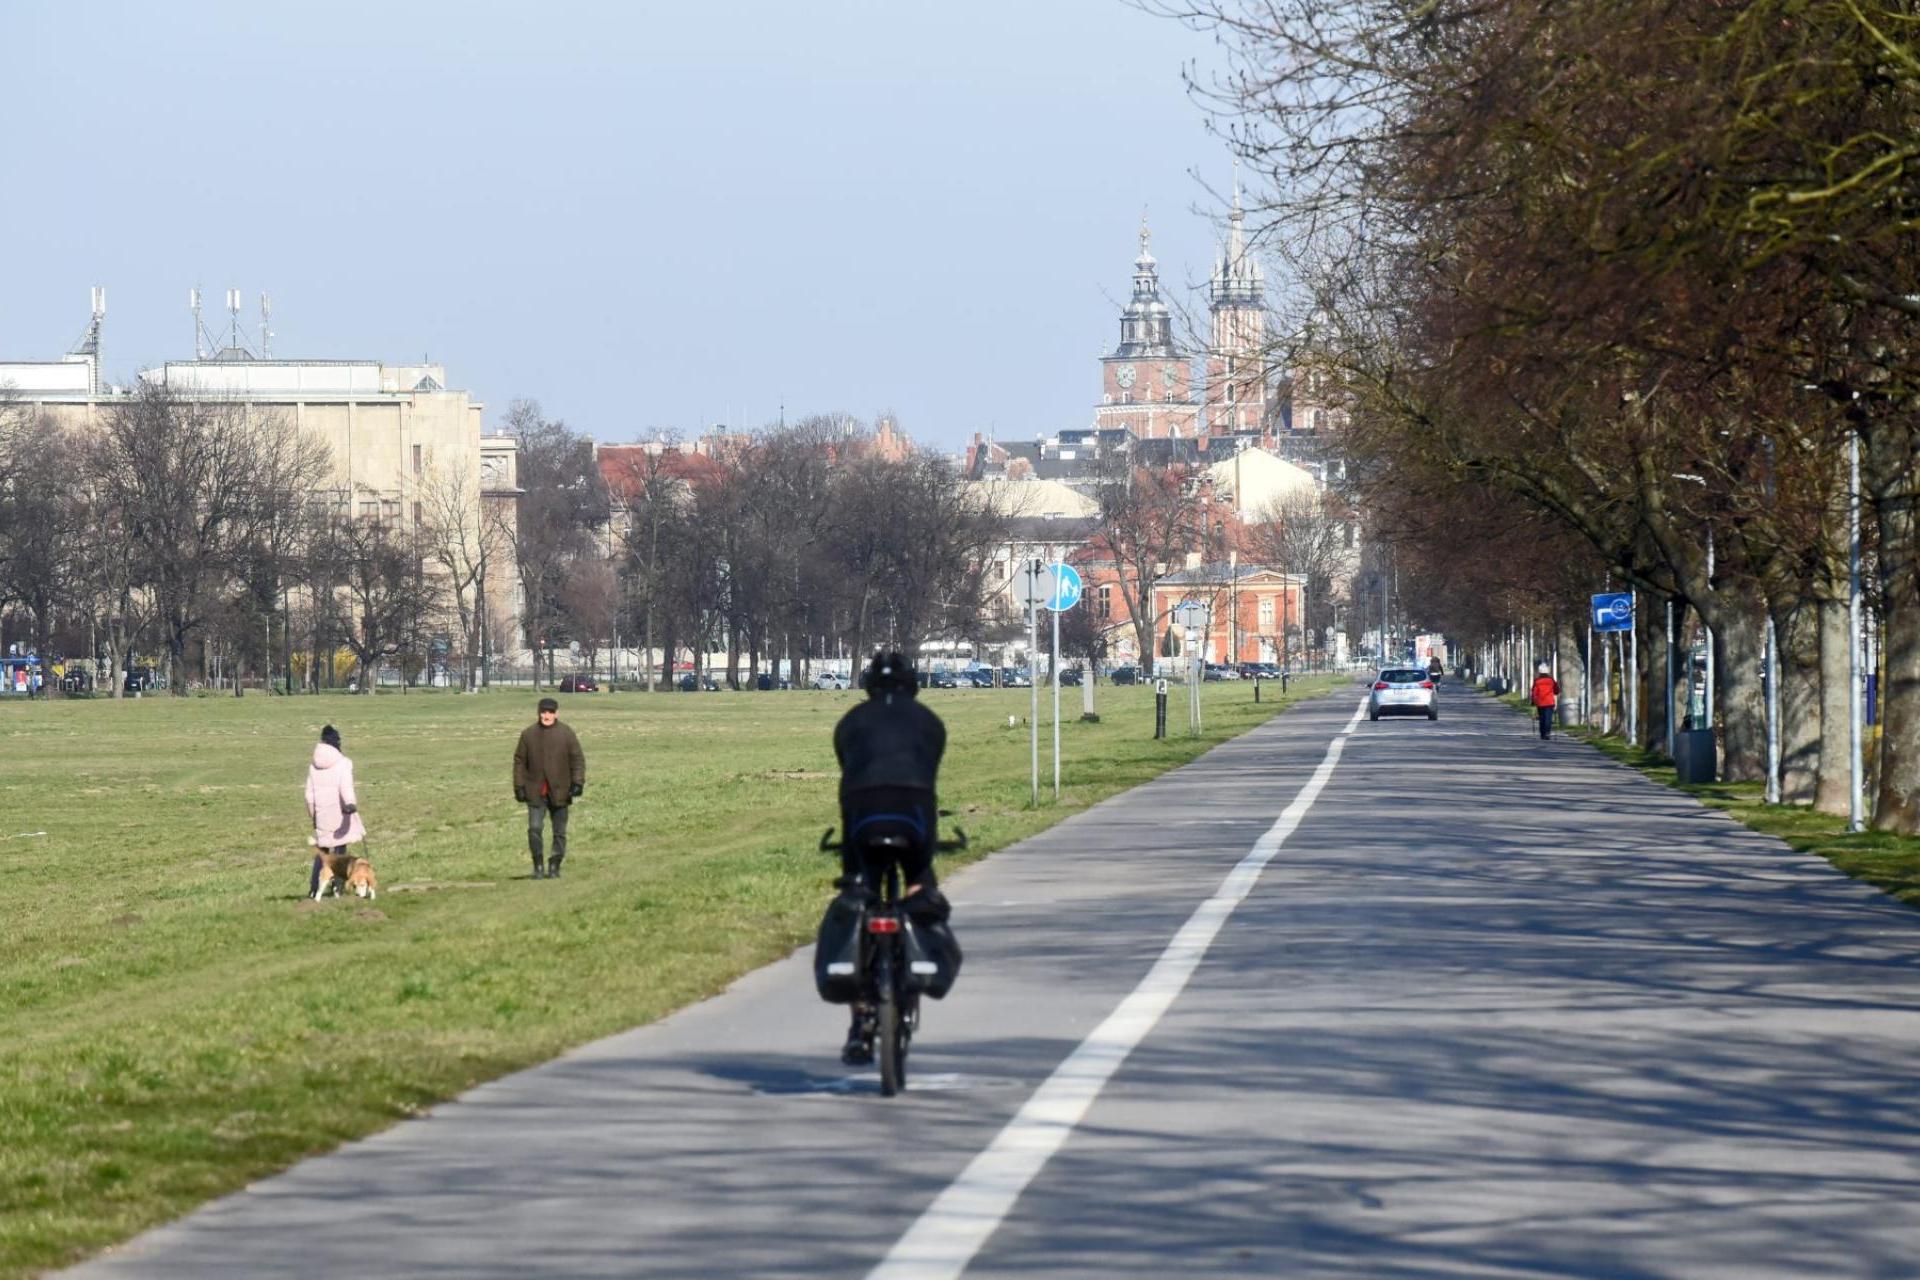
x,y
1546,696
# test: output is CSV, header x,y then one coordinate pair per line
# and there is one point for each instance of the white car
x,y
829,680
1403,691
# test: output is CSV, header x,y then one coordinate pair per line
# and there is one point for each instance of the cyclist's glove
x,y
579,789
520,794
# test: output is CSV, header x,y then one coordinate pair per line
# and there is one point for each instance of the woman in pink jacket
x,y
331,802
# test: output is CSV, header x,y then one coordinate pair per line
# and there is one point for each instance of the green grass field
x,y
176,1014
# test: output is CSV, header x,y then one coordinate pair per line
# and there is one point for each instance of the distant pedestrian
x,y
1546,696
333,807
549,774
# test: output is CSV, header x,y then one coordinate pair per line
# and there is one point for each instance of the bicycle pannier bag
x,y
837,955
933,956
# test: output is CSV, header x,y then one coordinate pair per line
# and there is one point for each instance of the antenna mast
x,y
266,326
199,329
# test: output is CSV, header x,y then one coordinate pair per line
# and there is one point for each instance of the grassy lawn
x,y
175,1009
1886,861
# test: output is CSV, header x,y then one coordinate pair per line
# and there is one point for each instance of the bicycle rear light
x,y
883,924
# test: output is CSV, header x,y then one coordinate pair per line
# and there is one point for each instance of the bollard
x,y
1256,688
1160,708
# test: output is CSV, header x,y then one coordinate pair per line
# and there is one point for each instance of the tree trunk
x,y
1738,647
1797,631
1573,671
646,623
1657,708
1834,769
1896,806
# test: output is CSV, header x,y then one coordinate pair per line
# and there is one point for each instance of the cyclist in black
x,y
889,748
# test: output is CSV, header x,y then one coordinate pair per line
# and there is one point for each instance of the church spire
x,y
1146,327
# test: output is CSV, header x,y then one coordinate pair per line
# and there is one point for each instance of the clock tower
x,y
1147,382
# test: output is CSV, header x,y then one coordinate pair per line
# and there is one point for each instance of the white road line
x,y
944,1239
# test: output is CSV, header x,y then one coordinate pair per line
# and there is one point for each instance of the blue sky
x,y
642,215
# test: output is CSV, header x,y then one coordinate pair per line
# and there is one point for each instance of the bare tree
x,y
563,501
1149,520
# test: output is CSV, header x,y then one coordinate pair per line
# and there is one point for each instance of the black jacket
x,y
889,741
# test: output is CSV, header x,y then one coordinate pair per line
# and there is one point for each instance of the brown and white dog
x,y
338,870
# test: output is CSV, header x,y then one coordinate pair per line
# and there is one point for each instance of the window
x,y
416,515
1266,613
1104,601
416,460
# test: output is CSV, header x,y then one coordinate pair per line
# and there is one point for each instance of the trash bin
x,y
1694,755
763,682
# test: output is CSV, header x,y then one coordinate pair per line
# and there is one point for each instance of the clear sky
x,y
642,215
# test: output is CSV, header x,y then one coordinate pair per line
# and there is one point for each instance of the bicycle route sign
x,y
1613,611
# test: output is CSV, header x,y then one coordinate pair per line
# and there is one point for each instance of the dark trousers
x,y
537,812
1546,721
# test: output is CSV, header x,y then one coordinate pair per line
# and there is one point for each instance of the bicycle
x,y
889,975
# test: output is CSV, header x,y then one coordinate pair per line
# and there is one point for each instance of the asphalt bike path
x,y
1494,1007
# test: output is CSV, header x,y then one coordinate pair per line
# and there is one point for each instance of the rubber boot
x,y
539,869
553,866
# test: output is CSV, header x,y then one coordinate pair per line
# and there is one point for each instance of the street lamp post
x,y
1856,768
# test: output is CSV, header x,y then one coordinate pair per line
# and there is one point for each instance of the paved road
x,y
1496,1008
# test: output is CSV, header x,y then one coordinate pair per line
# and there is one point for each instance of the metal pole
x,y
1033,693
1606,684
1632,673
1707,695
1666,690
1856,731
1773,713
1053,670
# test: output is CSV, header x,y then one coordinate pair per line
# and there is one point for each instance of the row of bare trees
x,y
1617,287
203,534
797,543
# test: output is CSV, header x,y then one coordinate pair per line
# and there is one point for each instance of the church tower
x,y
1240,397
1147,382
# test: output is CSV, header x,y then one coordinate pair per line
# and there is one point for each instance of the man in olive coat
x,y
549,774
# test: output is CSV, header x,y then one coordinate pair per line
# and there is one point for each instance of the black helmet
x,y
890,673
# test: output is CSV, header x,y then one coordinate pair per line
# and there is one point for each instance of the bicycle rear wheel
x,y
890,1039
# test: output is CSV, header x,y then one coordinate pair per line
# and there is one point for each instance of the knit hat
x,y
1545,669
331,736
548,704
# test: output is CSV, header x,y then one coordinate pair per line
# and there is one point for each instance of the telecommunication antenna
x,y
266,326
199,329
90,344
233,317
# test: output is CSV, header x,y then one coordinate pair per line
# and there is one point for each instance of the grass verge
x,y
177,1016
1888,862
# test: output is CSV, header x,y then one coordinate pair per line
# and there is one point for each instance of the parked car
x,y
1015,678
1069,677
689,682
1124,675
942,680
977,678
829,680
579,684
1403,691
1215,671
140,679
76,680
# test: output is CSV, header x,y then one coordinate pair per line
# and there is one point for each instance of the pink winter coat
x,y
329,792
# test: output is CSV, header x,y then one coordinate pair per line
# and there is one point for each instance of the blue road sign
x,y
1613,611
1066,588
